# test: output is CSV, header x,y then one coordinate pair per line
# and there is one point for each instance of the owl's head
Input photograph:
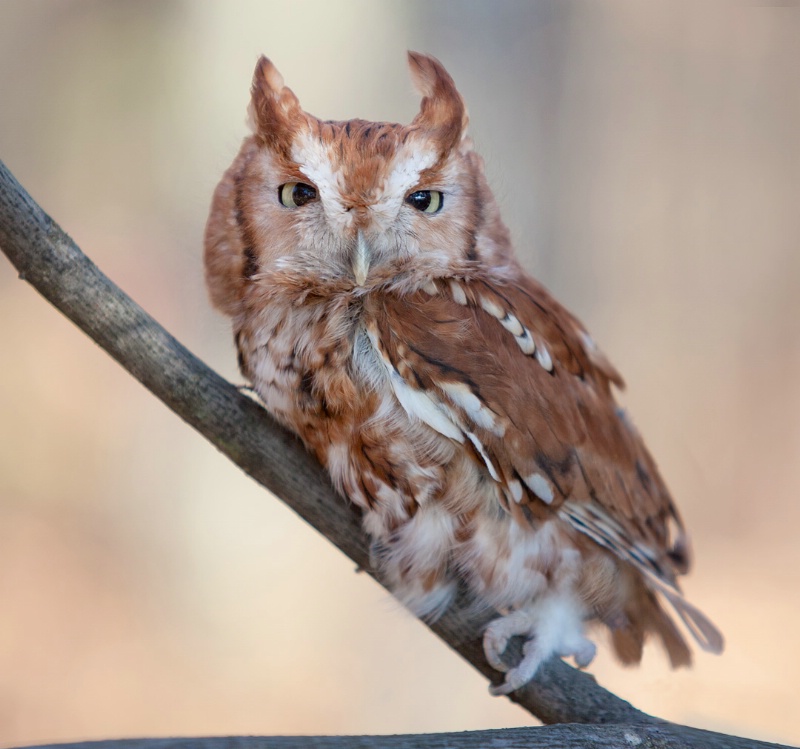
x,y
354,203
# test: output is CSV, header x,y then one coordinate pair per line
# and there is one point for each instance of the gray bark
x,y
52,263
565,736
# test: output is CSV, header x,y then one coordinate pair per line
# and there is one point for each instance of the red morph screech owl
x,y
380,314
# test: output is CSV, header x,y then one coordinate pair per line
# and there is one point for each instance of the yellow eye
x,y
296,194
427,201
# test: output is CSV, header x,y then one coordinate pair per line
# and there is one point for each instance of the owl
x,y
381,315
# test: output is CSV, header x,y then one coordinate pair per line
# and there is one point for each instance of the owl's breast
x,y
300,359
317,372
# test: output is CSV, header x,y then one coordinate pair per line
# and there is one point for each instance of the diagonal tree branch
x,y
50,261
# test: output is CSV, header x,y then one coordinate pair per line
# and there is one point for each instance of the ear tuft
x,y
267,75
442,110
426,73
274,109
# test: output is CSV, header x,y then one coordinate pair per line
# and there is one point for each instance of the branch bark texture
x,y
565,736
51,262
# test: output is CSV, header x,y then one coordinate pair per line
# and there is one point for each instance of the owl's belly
x,y
432,511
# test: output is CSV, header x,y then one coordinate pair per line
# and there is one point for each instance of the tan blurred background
x,y
647,158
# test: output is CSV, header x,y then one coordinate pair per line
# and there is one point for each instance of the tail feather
x,y
644,614
705,633
674,643
707,636
628,643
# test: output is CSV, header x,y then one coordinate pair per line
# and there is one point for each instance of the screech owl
x,y
380,314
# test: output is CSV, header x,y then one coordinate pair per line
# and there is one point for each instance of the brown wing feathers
x,y
524,382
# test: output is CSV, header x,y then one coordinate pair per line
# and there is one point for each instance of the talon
x,y
499,632
521,674
585,653
498,690
495,641
494,645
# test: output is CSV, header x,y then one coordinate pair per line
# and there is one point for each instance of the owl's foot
x,y
500,631
552,627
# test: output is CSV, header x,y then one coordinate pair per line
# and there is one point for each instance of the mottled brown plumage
x,y
380,313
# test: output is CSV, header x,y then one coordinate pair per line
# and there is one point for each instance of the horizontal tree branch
x,y
50,261
564,736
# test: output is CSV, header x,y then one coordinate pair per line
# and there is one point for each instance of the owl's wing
x,y
504,369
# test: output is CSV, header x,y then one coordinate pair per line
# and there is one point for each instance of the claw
x,y
584,653
553,626
499,632
493,647
523,672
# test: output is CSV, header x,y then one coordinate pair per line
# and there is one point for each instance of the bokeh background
x,y
647,158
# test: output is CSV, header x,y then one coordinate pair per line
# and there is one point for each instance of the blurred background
x,y
647,159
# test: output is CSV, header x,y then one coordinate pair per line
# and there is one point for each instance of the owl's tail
x,y
699,625
645,613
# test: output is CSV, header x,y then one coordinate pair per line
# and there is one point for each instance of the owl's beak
x,y
361,258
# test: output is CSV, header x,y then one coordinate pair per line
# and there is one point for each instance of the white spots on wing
x,y
543,357
463,396
494,309
540,486
430,288
482,452
417,403
512,325
474,407
516,490
420,405
525,342
459,297
529,347
510,322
